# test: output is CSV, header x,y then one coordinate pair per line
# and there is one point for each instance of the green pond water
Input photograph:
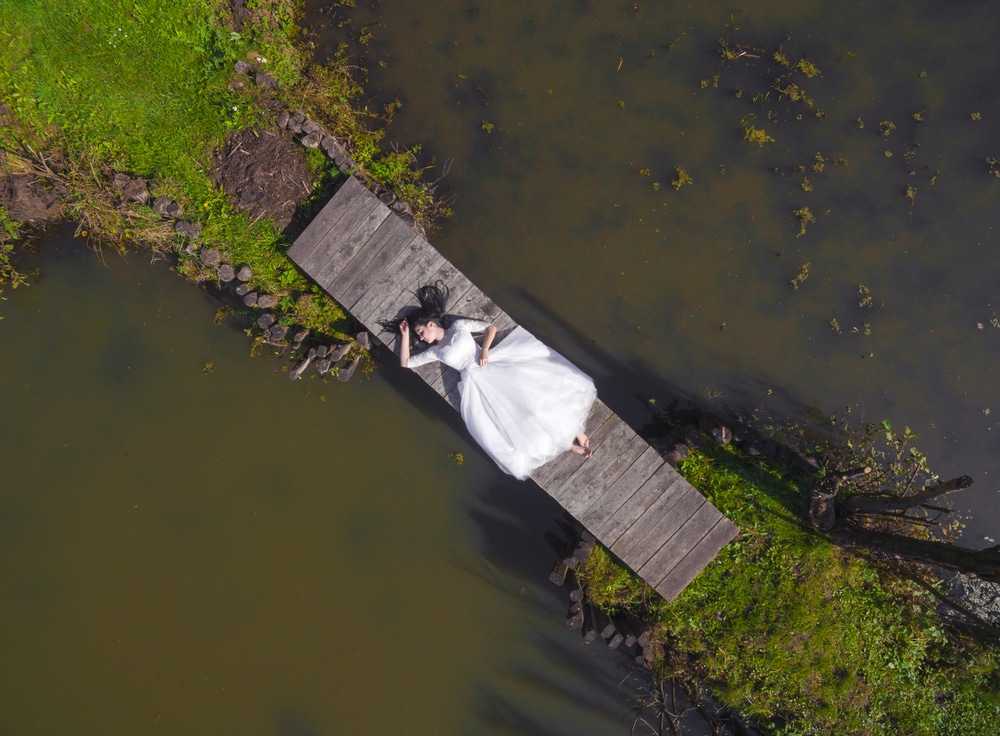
x,y
556,119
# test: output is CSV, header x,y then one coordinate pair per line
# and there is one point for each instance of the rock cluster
x,y
628,634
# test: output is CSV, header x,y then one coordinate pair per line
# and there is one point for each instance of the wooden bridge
x,y
371,262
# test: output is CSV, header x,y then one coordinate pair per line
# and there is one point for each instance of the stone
x,y
190,230
243,289
300,336
266,80
364,342
345,373
266,320
267,301
332,147
387,197
283,119
250,299
174,210
299,116
311,126
339,352
311,140
241,67
294,126
344,162
210,257
244,273
136,190
226,273
160,205
278,332
323,366
321,351
723,435
401,207
191,249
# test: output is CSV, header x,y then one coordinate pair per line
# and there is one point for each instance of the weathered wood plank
x,y
591,484
697,559
680,543
397,238
328,249
505,324
356,259
350,191
605,448
636,504
597,513
389,281
350,247
570,461
663,517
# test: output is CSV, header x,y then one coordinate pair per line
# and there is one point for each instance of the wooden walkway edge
x,y
371,262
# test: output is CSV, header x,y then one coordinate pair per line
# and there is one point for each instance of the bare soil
x,y
264,173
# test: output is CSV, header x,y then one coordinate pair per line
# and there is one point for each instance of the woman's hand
x,y
404,343
404,328
484,357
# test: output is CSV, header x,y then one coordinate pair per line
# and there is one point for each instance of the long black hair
x,y
433,299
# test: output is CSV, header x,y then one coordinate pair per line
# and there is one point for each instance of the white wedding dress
x,y
525,406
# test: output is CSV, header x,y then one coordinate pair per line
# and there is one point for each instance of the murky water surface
x,y
192,552
557,118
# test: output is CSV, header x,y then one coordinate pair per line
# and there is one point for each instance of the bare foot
x,y
581,445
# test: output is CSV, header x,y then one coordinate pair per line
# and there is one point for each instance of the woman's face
x,y
430,332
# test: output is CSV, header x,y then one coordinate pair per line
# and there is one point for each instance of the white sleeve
x,y
430,355
470,325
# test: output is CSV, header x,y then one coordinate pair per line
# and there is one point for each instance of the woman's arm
x,y
404,343
484,356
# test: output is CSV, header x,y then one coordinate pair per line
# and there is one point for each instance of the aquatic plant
x,y
806,217
682,179
801,276
756,135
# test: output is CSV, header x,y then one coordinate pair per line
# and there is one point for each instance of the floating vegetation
x,y
865,302
806,217
911,194
807,67
208,368
487,126
886,127
801,276
738,93
457,457
644,172
806,184
683,177
781,58
994,165
835,325
656,186
757,135
976,116
919,116
819,163
887,153
909,155
860,123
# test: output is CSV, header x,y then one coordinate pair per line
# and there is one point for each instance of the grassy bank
x,y
90,88
800,635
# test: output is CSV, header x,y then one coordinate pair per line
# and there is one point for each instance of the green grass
x,y
801,635
144,87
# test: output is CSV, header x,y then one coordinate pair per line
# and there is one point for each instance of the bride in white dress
x,y
522,402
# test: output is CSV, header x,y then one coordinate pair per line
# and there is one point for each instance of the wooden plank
x,y
674,549
591,484
605,446
391,281
504,324
396,235
477,305
697,559
569,461
604,506
636,504
351,247
405,297
350,191
663,517
328,248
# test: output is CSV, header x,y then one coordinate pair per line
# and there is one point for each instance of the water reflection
x,y
580,97
226,551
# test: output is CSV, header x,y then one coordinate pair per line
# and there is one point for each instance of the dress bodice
x,y
457,349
